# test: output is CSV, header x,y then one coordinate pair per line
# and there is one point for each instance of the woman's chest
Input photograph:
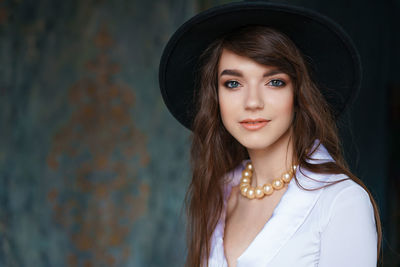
x,y
288,235
244,221
301,249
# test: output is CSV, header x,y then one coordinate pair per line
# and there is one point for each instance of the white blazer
x,y
329,227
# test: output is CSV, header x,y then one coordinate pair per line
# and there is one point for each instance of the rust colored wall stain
x,y
101,196
3,15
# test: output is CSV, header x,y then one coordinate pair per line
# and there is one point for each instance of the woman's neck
x,y
272,162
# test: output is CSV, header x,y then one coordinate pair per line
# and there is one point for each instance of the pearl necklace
x,y
267,189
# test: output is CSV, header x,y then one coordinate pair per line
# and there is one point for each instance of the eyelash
x,y
281,83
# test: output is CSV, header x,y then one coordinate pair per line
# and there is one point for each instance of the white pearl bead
x,y
245,180
259,192
247,173
277,184
244,189
249,167
244,185
268,189
286,177
250,193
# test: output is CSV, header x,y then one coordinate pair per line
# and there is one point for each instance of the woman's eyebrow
x,y
272,72
238,73
231,72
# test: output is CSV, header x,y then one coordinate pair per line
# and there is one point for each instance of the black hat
x,y
334,60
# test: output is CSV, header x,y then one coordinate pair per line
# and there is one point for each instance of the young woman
x,y
270,186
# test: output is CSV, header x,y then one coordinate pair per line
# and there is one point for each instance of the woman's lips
x,y
254,124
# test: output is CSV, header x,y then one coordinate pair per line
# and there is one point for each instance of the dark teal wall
x,y
93,168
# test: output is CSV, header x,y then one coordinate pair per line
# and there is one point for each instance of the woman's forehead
x,y
231,63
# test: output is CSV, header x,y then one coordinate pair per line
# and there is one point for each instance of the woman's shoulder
x,y
342,188
345,199
340,194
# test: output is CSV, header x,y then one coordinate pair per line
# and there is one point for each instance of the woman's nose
x,y
254,98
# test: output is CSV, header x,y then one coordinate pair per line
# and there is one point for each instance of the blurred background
x,y
93,168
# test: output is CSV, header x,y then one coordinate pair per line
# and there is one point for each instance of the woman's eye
x,y
232,84
277,83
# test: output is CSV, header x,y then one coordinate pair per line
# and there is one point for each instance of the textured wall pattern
x,y
88,173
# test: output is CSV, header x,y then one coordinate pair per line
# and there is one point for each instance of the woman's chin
x,y
256,144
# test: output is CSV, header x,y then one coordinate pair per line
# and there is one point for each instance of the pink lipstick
x,y
254,124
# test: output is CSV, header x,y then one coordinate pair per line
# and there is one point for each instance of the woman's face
x,y
255,101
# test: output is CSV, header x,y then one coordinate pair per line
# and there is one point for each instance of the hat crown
x,y
331,53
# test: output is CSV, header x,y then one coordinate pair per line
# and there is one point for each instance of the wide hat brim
x,y
332,56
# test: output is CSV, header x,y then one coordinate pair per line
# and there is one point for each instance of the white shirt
x,y
328,227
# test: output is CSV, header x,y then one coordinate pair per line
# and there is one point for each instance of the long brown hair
x,y
215,152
